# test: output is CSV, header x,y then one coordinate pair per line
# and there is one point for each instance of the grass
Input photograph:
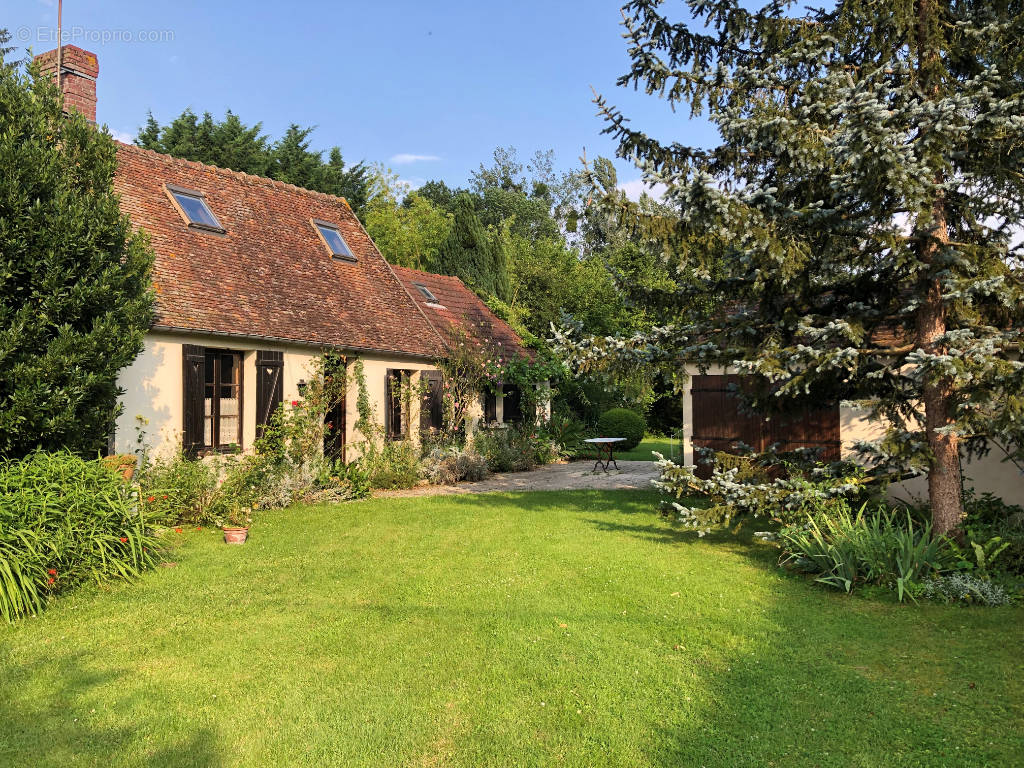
x,y
666,446
569,629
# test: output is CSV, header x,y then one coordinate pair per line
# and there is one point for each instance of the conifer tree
x,y
75,298
469,252
230,143
861,215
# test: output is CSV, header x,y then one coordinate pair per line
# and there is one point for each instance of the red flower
x,y
52,571
151,498
295,403
50,580
165,496
177,530
123,540
199,528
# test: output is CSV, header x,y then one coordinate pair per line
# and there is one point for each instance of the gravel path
x,y
578,475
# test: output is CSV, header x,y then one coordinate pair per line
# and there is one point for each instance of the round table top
x,y
604,440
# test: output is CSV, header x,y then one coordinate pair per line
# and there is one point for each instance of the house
x,y
256,278
712,418
450,305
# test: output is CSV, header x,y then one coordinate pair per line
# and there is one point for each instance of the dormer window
x,y
333,240
427,294
193,208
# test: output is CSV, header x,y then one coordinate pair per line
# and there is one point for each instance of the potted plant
x,y
236,525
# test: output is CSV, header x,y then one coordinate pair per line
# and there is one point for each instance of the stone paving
x,y
577,475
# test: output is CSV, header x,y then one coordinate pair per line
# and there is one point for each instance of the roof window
x,y
192,206
427,294
333,240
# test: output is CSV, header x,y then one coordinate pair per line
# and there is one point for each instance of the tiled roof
x,y
457,306
269,275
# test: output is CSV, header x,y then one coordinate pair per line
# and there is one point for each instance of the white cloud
x,y
122,136
405,158
637,187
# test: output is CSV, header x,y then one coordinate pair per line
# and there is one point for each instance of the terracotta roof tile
x,y
457,306
269,275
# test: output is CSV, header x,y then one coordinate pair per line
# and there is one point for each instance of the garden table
x,y
603,450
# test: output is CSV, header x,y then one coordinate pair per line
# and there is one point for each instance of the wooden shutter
x,y
432,407
269,387
193,384
490,408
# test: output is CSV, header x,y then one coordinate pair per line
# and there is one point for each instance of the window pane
x,y
426,293
227,369
335,241
228,420
227,404
208,417
196,210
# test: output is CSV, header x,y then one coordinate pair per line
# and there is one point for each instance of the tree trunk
x,y
944,474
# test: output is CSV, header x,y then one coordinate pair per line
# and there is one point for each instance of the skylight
x,y
427,293
193,206
334,241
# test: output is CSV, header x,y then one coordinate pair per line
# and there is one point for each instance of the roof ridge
x,y
425,272
241,175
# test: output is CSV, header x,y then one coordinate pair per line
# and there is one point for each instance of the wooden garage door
x,y
719,424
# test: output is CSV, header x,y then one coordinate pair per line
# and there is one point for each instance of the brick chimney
x,y
79,70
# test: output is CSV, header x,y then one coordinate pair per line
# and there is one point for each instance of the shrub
x,y
876,547
391,466
507,449
989,517
622,422
566,432
179,489
959,587
64,521
447,465
75,294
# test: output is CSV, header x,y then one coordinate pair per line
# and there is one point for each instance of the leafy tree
x,y
439,194
858,214
409,234
232,144
75,297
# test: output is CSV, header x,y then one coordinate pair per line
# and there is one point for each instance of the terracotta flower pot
x,y
235,535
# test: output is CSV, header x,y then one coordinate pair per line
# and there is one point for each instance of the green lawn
x,y
667,447
514,630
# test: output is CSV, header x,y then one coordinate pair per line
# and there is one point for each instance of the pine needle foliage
x,y
860,218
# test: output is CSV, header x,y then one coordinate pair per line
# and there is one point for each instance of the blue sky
x,y
429,88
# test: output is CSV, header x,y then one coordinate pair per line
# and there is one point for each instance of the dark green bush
x,y
75,291
989,517
65,521
622,422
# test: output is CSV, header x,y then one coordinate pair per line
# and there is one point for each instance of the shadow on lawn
x,y
813,677
64,727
